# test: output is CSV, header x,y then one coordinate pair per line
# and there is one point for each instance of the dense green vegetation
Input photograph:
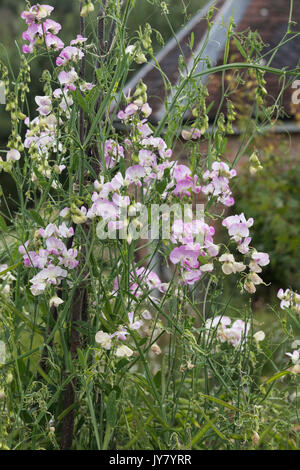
x,y
111,335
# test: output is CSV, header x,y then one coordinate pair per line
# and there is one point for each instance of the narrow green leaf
x,y
240,48
111,409
3,225
211,424
35,216
277,376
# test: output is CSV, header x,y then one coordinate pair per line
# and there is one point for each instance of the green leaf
x,y
111,409
143,341
81,101
220,402
44,375
122,363
10,268
36,217
122,167
3,225
192,40
161,186
201,433
240,47
211,424
277,376
157,379
18,313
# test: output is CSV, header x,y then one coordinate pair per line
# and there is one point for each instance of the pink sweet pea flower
x,y
181,172
105,209
191,277
68,79
50,26
78,41
36,13
193,133
183,186
146,110
243,246
45,105
134,174
262,259
53,42
186,256
69,53
134,325
147,158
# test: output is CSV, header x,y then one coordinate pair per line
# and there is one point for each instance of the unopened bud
x,y
255,438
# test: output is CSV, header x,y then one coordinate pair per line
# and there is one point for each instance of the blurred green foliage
x,y
272,197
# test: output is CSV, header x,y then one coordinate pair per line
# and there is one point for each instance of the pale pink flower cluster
x,y
139,324
53,260
289,299
141,281
235,333
107,200
196,248
218,183
67,61
114,340
112,153
44,130
39,28
238,230
111,196
193,133
185,184
188,253
42,135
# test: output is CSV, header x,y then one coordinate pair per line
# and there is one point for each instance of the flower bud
x,y
255,438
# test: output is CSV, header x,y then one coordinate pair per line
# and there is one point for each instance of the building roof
x,y
268,17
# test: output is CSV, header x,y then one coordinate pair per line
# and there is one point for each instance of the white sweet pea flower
x,y
104,339
55,301
294,356
13,155
124,351
259,336
130,49
230,266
